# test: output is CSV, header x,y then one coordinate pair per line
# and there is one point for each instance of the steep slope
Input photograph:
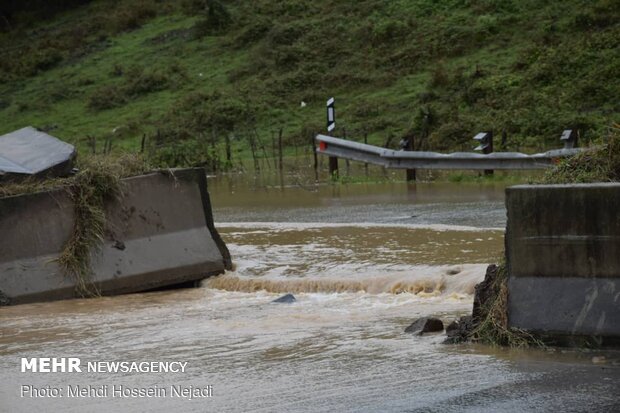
x,y
190,74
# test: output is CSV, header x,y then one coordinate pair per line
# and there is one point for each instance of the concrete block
x,y
563,230
159,232
565,306
29,152
563,258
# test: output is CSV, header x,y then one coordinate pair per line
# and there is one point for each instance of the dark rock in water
x,y
288,298
459,330
4,299
425,325
484,292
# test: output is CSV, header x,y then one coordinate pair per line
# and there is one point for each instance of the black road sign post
x,y
331,125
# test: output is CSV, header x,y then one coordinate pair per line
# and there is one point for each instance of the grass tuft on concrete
x,y
97,182
600,164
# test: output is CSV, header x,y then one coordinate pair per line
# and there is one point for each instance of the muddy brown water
x,y
363,261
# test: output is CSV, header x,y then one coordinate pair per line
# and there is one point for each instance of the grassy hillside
x,y
188,75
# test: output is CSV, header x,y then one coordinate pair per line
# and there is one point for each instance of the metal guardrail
x,y
388,158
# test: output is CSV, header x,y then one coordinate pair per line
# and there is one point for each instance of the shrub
x,y
252,33
192,7
439,76
40,61
131,16
216,20
183,151
451,134
387,31
107,97
600,164
285,35
140,82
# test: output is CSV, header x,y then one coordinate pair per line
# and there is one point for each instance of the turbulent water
x,y
363,261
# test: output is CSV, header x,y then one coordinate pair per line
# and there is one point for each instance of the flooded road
x,y
363,261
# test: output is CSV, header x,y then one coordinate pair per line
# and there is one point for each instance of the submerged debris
x,y
459,330
488,323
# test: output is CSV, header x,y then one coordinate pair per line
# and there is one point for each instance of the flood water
x,y
363,261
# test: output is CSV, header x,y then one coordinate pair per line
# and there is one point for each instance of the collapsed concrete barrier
x,y
563,260
159,233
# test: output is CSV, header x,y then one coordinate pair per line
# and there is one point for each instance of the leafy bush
x,y
452,134
136,82
600,164
285,35
139,81
107,97
177,147
252,33
439,76
216,20
131,15
388,30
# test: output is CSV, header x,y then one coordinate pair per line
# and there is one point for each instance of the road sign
x,y
331,115
569,138
486,142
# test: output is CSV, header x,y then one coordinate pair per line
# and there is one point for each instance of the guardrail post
x,y
366,143
485,145
569,138
406,144
346,160
333,166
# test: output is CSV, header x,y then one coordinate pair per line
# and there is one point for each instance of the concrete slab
x,y
563,259
160,232
573,306
29,152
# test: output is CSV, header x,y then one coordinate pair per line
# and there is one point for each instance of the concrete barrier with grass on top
x,y
159,232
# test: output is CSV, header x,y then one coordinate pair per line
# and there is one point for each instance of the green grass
x,y
600,164
479,177
523,67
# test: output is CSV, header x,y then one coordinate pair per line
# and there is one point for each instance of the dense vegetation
x,y
188,76
600,164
